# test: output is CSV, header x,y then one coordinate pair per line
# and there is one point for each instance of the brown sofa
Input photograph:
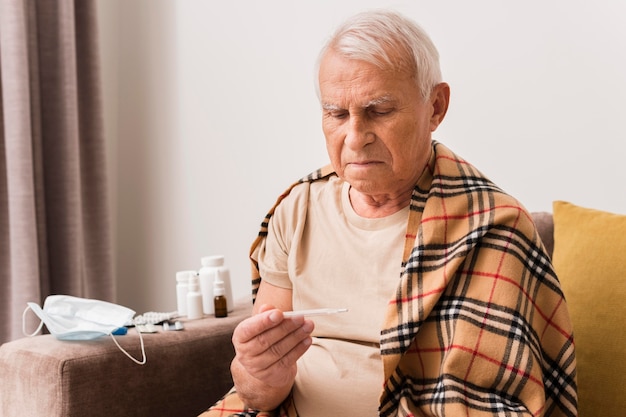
x,y
186,371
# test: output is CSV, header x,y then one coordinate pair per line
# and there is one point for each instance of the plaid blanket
x,y
478,325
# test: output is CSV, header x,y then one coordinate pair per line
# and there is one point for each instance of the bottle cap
x,y
215,260
193,282
217,291
218,284
183,276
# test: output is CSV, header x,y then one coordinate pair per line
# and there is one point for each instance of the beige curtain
x,y
54,214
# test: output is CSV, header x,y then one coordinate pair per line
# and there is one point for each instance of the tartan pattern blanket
x,y
478,325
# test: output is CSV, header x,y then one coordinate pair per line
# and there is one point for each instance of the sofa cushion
x,y
590,260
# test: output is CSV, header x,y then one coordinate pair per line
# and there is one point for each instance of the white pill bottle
x,y
207,279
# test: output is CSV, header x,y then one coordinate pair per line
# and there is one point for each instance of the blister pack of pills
x,y
153,317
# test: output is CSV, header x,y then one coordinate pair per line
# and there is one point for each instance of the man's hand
x,y
267,346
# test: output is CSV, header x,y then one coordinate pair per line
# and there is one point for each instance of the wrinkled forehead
x,y
339,70
342,78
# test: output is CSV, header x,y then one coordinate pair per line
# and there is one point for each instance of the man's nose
x,y
358,132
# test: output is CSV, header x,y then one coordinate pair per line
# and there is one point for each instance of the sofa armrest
x,y
185,373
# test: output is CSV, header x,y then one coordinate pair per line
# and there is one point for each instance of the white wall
x,y
211,112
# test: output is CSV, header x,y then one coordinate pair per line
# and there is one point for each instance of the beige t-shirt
x,y
331,257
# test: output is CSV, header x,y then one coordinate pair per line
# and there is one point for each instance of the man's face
x,y
377,126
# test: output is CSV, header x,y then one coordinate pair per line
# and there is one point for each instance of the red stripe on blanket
x,y
545,316
473,352
468,215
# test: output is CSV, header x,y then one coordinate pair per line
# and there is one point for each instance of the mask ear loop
x,y
24,324
143,350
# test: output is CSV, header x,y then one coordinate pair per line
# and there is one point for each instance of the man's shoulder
x,y
308,189
468,192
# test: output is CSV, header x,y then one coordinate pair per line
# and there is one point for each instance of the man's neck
x,y
377,206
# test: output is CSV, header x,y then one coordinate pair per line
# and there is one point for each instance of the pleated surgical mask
x,y
74,318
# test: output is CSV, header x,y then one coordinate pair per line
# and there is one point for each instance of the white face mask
x,y
74,318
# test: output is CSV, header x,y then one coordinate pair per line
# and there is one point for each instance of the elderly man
x,y
453,306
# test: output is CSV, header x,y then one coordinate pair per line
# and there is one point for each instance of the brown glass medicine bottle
x,y
219,299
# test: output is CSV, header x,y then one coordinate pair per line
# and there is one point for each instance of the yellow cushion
x,y
590,261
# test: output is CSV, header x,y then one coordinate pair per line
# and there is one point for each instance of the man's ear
x,y
439,99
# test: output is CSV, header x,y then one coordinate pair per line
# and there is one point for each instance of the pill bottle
x,y
206,275
194,298
211,264
182,287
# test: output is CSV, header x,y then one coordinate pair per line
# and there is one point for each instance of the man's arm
x,y
267,346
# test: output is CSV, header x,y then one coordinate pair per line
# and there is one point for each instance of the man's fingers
x,y
279,358
269,340
263,322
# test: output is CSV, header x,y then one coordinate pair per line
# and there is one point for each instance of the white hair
x,y
387,39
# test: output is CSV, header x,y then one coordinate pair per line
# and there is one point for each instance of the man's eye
x,y
338,114
380,112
